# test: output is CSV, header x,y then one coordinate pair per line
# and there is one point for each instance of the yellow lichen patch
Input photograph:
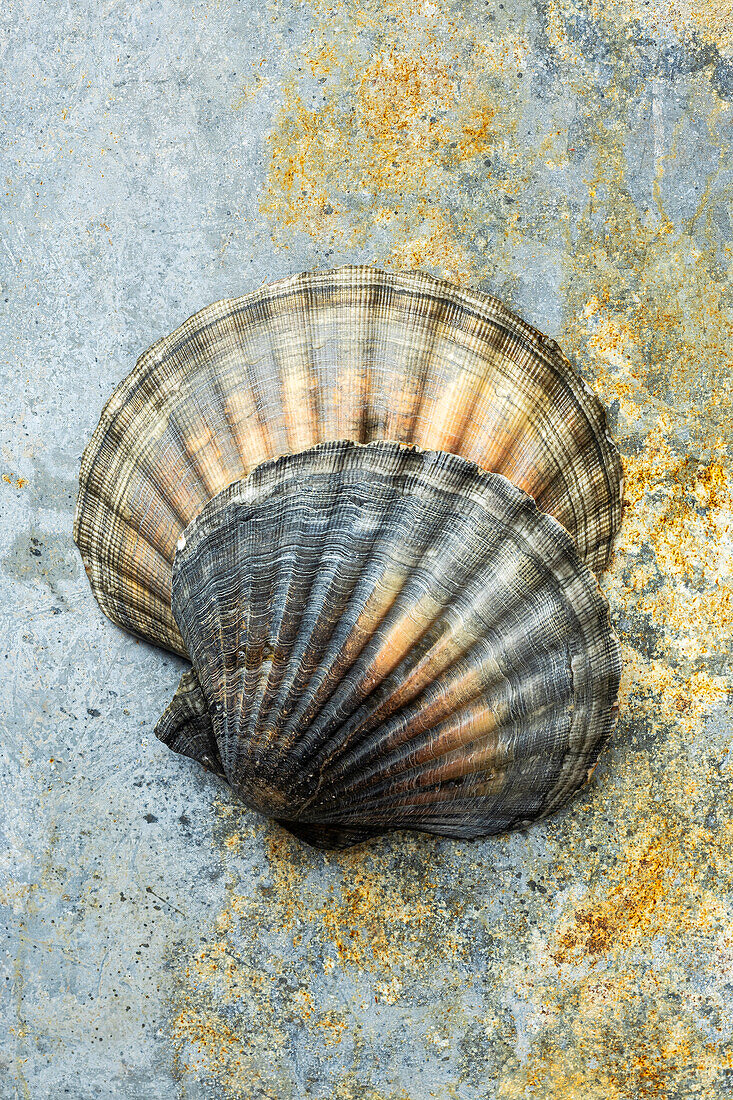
x,y
332,1026
655,893
661,330
611,1011
380,152
681,510
205,1040
359,919
605,984
15,480
712,20
658,691
626,1054
15,895
557,36
209,1042
399,93
371,924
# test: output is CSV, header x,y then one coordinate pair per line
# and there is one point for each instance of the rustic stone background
x,y
573,158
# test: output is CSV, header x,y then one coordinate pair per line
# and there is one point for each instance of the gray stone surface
x,y
162,943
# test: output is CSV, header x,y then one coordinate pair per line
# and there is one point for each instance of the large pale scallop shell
x,y
384,637
355,354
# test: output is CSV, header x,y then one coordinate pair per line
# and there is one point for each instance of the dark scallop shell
x,y
355,354
388,638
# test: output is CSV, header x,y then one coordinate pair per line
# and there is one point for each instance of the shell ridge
x,y
172,433
297,381
371,354
589,538
341,699
304,600
203,585
88,537
268,566
190,422
309,647
487,678
479,757
303,685
467,728
117,561
119,594
374,708
234,715
338,658
105,481
232,466
432,322
416,339
464,779
442,606
232,643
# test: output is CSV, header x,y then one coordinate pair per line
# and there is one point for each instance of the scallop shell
x,y
384,637
355,354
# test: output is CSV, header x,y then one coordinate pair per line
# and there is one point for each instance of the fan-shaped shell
x,y
355,354
383,637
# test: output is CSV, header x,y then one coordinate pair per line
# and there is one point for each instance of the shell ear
x,y
328,836
186,727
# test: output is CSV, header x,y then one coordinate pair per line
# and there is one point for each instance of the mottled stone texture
x,y
574,159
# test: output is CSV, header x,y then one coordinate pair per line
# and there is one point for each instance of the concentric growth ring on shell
x,y
354,354
384,637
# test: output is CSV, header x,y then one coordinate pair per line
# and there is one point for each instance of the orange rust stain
x,y
210,1042
434,247
323,59
396,95
478,133
332,1026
